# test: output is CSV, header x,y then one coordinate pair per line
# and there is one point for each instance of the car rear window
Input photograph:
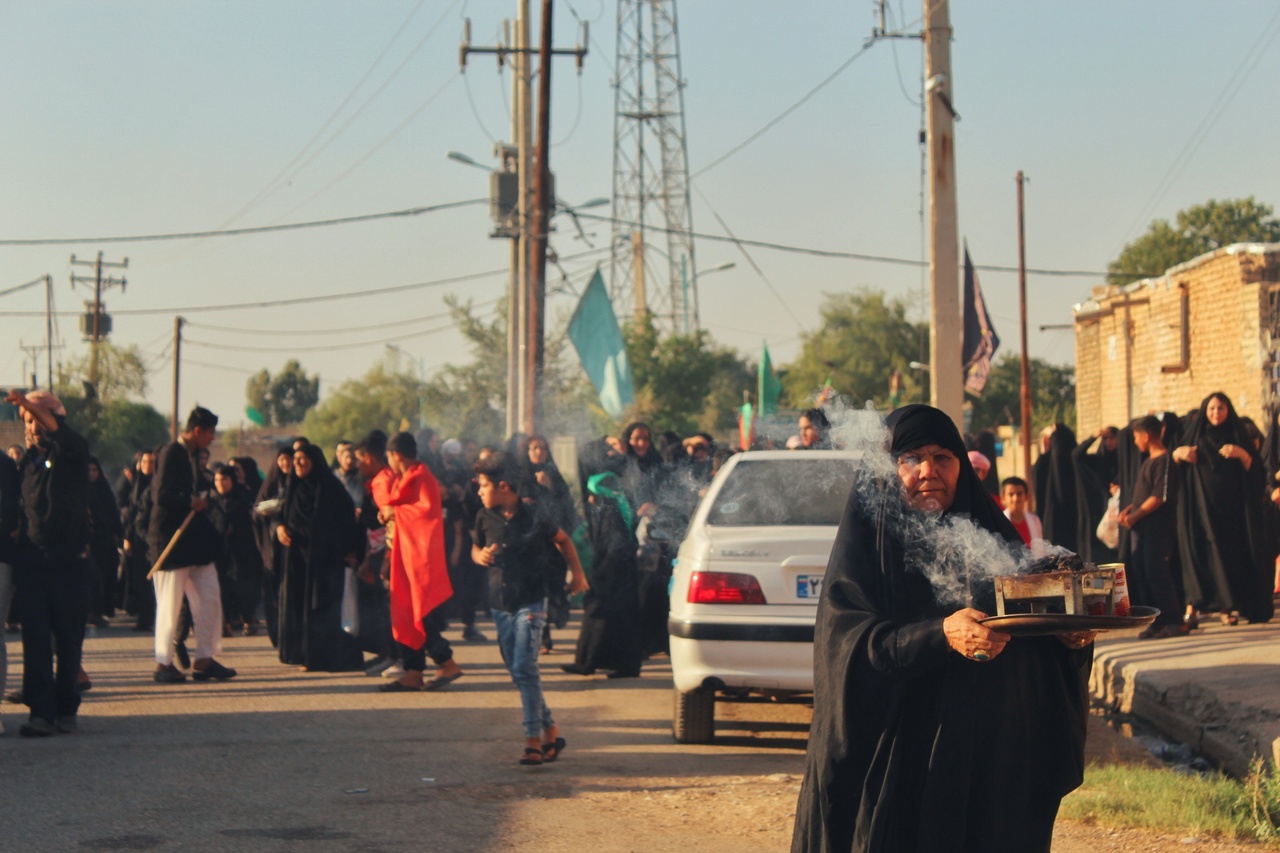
x,y
768,492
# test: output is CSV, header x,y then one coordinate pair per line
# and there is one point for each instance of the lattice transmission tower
x,y
652,266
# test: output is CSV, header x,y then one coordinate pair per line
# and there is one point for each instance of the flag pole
x,y
1026,367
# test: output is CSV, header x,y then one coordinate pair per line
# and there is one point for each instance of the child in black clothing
x,y
516,545
1150,519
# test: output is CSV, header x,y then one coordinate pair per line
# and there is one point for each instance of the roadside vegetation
x,y
1161,799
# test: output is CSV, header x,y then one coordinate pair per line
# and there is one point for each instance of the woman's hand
x,y
282,533
970,638
1077,639
543,478
1186,453
647,510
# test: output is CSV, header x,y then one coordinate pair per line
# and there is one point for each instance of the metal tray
x,y
1039,624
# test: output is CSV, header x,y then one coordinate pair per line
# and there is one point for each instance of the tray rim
x,y
1059,623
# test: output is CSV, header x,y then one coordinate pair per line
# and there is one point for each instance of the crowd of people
x,y
1189,503
365,559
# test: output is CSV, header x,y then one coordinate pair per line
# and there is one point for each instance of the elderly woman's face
x,y
537,452
301,464
929,475
1216,411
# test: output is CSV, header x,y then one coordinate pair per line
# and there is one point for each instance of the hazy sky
x,y
134,118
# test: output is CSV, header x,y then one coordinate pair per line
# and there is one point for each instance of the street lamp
x,y
918,365
727,265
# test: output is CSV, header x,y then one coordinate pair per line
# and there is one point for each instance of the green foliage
x,y
122,373
863,338
116,429
1198,229
1053,394
380,399
286,397
1160,799
685,383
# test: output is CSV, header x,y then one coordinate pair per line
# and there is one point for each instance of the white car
x,y
745,587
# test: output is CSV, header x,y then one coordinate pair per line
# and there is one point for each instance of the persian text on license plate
x,y
808,586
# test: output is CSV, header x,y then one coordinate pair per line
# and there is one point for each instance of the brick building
x,y
1165,343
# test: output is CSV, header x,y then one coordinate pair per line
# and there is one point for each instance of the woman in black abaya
x,y
1059,513
609,638
932,733
320,536
1221,536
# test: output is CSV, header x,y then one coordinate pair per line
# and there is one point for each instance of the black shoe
x,y
14,697
574,669
37,727
180,652
169,675
635,674
214,670
66,725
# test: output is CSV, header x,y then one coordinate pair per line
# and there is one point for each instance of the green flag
x,y
598,340
767,385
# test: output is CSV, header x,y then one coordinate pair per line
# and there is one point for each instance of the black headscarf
x,y
912,746
1222,539
252,476
1059,514
303,494
1094,474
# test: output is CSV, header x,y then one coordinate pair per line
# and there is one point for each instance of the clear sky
x,y
131,118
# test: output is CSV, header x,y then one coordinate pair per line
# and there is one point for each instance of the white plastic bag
x,y
1109,527
350,604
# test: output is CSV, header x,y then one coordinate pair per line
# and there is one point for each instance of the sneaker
x,y
393,671
66,725
213,670
378,665
169,675
474,634
37,727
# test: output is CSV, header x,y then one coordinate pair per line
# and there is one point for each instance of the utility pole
x,y
1026,364
177,371
98,326
526,299
946,371
33,352
48,326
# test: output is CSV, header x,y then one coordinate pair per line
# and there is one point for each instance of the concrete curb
x,y
1217,690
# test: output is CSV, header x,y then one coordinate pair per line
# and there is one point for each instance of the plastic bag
x,y
1109,526
350,604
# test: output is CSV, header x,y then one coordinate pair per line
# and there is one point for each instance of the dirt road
x,y
278,759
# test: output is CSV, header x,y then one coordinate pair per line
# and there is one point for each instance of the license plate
x,y
808,586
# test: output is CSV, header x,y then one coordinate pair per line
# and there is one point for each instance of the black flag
x,y
980,338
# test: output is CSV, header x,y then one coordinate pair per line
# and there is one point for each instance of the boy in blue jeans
x,y
514,542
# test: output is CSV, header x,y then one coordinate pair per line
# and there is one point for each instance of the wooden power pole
x,y
946,367
95,329
177,372
1026,364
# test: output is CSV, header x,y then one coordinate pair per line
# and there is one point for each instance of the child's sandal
x,y
532,757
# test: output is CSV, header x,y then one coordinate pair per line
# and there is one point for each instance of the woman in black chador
x,y
609,638
319,532
931,733
1221,536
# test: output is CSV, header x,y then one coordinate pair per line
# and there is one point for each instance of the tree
x,y
122,373
116,429
1053,394
684,383
1199,229
286,397
862,340
380,399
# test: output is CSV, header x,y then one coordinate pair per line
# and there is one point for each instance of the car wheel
x,y
694,717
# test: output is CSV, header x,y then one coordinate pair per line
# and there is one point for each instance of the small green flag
x,y
256,416
768,388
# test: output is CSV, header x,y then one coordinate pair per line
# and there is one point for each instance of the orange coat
x,y
419,567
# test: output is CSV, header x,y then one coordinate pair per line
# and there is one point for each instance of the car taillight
x,y
724,588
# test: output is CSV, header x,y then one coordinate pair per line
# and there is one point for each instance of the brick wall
x,y
1131,357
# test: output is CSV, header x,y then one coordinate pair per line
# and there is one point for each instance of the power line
x,y
788,111
236,232
337,331
18,287
330,297
325,347
274,182
853,256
